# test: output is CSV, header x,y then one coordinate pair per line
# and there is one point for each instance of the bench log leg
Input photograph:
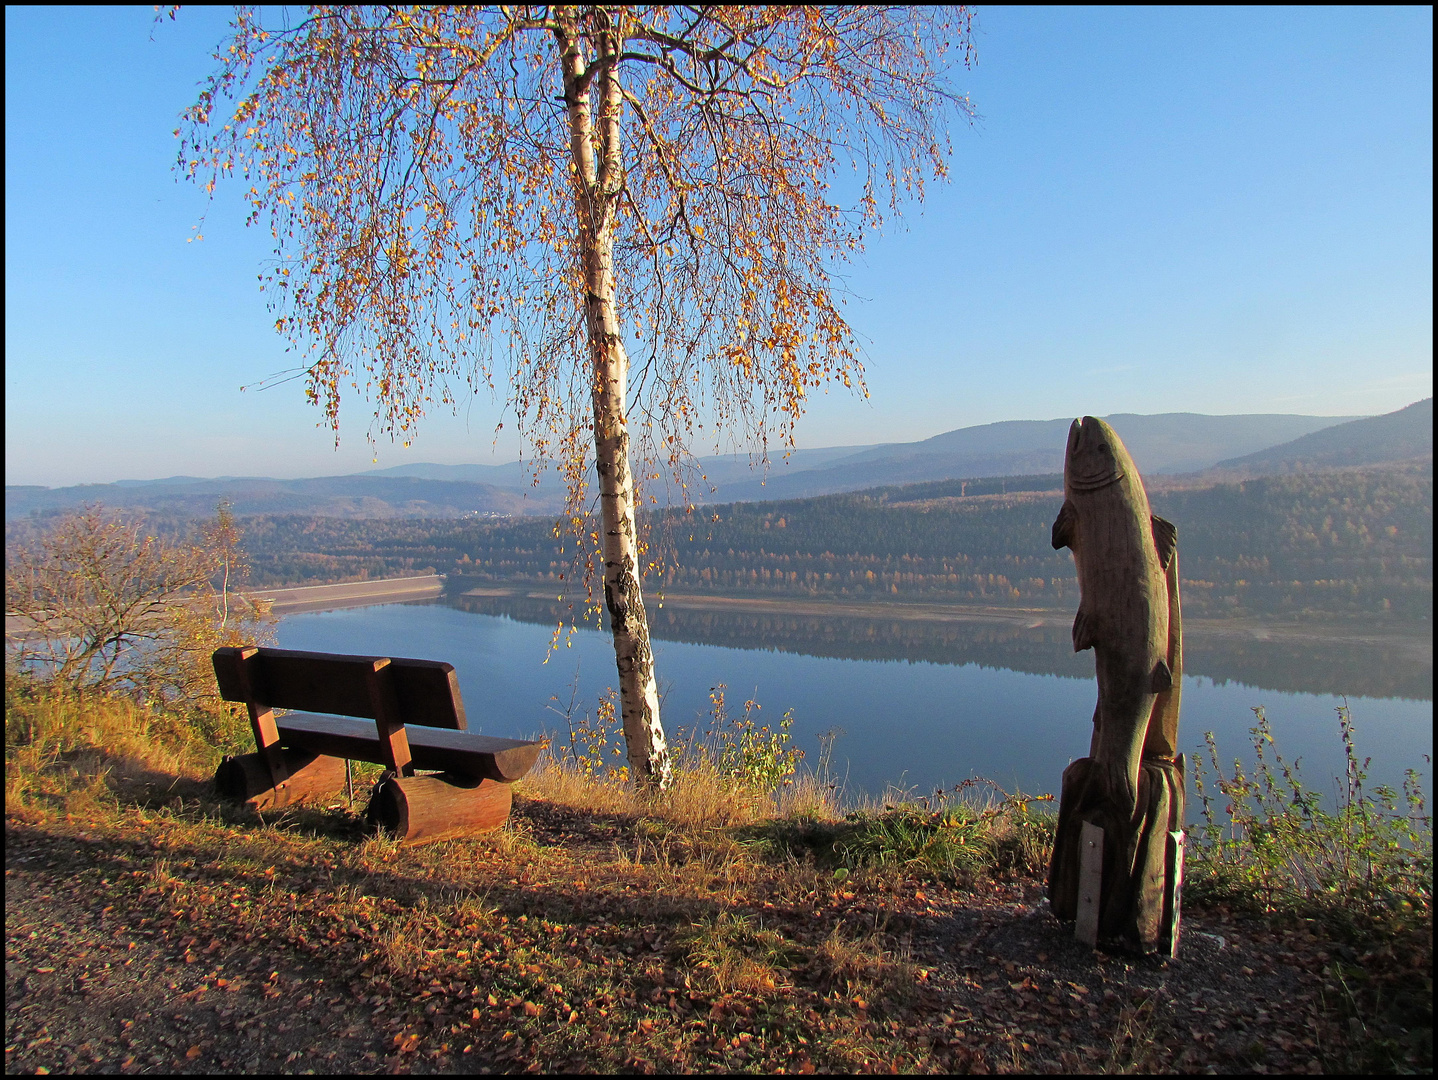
x,y
246,778
419,809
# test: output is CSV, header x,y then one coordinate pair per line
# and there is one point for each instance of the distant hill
x,y
720,468
1338,546
1166,443
1397,436
327,496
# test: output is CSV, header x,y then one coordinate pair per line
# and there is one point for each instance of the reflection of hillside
x,y
1360,669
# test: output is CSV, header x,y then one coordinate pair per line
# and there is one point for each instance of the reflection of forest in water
x,y
1318,666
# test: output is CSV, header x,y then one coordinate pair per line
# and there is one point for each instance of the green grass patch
x,y
976,830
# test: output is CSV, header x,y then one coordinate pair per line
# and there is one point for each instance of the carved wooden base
x,y
419,809
247,779
1138,862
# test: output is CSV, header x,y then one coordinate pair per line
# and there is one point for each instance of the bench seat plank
x,y
445,749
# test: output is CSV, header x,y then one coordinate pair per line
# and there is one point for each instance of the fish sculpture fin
x,y
1082,632
1063,531
1161,680
1165,539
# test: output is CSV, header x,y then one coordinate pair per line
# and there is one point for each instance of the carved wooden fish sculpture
x,y
1127,574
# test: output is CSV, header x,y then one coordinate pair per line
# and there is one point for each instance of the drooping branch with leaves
x,y
532,195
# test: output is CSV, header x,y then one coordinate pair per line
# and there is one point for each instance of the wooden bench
x,y
400,713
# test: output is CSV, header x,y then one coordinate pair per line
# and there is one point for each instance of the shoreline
x,y
351,594
293,600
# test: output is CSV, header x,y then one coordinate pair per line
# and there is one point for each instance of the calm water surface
x,y
913,725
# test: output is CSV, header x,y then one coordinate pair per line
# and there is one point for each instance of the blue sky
x,y
1205,210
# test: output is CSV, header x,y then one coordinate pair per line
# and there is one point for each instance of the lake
x,y
918,708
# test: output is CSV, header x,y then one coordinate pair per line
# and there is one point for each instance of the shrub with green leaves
x,y
741,747
590,736
1269,841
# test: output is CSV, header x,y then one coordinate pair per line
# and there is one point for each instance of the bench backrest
x,y
424,692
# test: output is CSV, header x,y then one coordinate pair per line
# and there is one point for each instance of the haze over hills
x,y
718,468
1395,436
1164,443
331,496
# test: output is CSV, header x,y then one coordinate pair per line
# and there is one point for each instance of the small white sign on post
x,y
1172,895
1090,887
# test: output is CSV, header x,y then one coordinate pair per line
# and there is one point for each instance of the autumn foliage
x,y
417,170
101,604
472,195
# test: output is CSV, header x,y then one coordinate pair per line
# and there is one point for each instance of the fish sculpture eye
x,y
1091,461
1095,467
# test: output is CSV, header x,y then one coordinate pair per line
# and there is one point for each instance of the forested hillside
x,y
1350,543
1342,543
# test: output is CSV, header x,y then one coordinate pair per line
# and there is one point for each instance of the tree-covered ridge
x,y
1358,540
1345,543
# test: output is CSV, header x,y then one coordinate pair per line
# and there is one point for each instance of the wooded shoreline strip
x,y
354,594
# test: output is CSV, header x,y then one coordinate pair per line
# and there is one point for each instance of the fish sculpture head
x,y
1095,457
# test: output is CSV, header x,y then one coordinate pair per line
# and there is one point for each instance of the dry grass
x,y
734,953
65,749
560,782
1134,1039
856,959
700,798
402,942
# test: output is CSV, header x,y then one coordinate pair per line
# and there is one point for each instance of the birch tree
x,y
629,217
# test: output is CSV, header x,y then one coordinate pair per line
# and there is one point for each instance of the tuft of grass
x,y
702,796
402,943
955,836
951,836
559,780
1364,868
699,798
860,960
733,772
735,953
1136,1033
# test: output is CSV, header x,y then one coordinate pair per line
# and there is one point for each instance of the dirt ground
x,y
108,971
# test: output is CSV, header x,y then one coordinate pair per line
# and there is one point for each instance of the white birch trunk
x,y
598,176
